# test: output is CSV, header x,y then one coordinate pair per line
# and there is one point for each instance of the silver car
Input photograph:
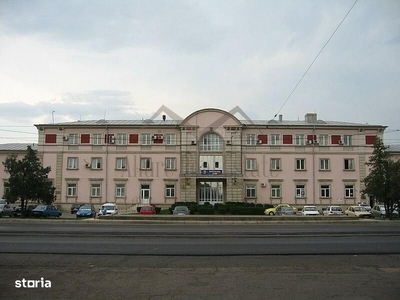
x,y
6,210
181,210
333,210
379,211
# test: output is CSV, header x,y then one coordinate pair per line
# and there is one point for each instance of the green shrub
x,y
206,210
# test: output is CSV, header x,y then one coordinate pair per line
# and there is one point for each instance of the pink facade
x,y
210,156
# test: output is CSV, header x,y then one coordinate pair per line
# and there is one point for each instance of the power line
x,y
315,59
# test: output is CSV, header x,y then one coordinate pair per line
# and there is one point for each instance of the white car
x,y
310,210
108,209
333,210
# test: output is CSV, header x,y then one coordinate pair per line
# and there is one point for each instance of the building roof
x,y
393,148
17,147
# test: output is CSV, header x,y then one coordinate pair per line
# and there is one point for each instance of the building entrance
x,y
210,191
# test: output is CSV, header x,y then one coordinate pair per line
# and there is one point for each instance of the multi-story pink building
x,y
210,156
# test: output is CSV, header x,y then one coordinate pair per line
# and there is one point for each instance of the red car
x,y
148,210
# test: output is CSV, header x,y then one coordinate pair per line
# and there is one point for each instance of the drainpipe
x,y
313,167
106,164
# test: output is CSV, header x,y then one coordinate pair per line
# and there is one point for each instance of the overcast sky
x,y
122,60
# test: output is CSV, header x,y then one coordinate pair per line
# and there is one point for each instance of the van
x,y
109,208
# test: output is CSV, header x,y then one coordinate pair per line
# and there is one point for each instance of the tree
x,y
383,179
28,180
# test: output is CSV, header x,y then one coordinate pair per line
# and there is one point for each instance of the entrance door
x,y
145,194
211,191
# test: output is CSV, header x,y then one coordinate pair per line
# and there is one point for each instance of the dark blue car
x,y
44,210
86,211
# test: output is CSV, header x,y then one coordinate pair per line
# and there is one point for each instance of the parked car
x,y
108,209
75,207
285,211
6,210
148,210
27,212
181,210
86,211
310,210
272,211
43,210
333,210
3,201
358,211
365,205
378,211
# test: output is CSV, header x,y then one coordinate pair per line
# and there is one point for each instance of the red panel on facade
x,y
311,137
287,139
263,138
370,139
335,139
50,138
85,138
133,138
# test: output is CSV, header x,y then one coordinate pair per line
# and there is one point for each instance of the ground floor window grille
x,y
211,192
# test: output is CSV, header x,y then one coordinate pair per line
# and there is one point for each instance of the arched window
x,y
211,142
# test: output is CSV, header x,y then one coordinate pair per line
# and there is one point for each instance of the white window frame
x,y
71,189
170,190
275,139
300,190
299,140
323,140
170,163
72,163
73,139
251,190
97,139
145,138
251,164
275,190
170,139
251,139
275,164
96,163
325,191
349,190
120,163
95,190
300,164
145,163
347,140
349,164
120,190
122,139
324,164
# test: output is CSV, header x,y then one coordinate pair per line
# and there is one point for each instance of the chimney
x,y
280,118
311,118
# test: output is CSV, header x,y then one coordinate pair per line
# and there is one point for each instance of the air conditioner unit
x,y
259,142
229,142
193,142
340,142
65,138
88,165
316,142
161,137
263,184
309,142
154,137
111,139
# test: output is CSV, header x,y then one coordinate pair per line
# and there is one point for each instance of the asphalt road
x,y
103,260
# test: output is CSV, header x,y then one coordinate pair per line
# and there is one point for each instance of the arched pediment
x,y
211,118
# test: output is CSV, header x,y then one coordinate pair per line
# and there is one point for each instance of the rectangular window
x,y
95,190
275,163
300,164
299,139
275,139
325,191
275,191
348,140
349,164
170,139
323,140
170,163
251,164
250,139
120,190
96,163
287,139
71,189
97,138
145,139
324,164
72,163
250,191
122,139
73,139
349,191
300,190
50,138
121,163
145,163
170,190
